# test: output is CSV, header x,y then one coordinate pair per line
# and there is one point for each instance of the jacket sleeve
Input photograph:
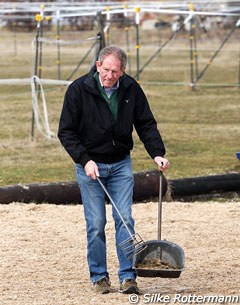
x,y
146,126
69,124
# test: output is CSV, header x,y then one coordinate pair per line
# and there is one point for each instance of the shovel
x,y
160,258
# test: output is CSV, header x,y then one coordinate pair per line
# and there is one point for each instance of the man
x,y
96,123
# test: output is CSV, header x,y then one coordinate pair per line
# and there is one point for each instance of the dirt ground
x,y
43,253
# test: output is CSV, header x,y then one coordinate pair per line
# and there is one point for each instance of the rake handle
x,y
115,207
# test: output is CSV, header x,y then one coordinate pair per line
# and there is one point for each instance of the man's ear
x,y
98,65
123,71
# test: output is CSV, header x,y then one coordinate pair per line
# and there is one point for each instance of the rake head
x,y
133,245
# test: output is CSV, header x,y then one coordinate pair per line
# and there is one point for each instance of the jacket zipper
x,y
109,102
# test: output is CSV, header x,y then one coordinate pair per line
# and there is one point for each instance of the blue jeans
x,y
118,179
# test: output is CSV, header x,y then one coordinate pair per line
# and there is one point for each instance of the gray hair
x,y
116,52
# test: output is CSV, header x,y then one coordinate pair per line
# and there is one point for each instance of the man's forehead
x,y
111,58
113,64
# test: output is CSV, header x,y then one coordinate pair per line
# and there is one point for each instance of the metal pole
x,y
191,37
137,18
39,21
239,70
15,37
40,43
156,53
214,55
127,38
191,54
58,46
82,60
107,32
101,30
160,208
195,54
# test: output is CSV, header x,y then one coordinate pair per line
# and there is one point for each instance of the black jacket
x,y
87,129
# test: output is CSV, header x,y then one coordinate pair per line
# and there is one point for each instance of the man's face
x,y
109,71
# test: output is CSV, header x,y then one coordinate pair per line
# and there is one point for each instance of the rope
x,y
28,81
38,118
62,42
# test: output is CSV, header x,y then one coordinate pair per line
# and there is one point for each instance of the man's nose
x,y
110,74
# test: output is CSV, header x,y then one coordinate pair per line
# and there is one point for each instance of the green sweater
x,y
112,101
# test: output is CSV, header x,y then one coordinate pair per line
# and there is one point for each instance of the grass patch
x,y
200,127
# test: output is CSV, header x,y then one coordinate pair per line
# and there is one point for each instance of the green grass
x,y
200,127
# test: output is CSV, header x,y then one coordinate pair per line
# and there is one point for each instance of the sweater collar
x,y
124,80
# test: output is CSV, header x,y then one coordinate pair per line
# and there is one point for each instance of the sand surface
x,y
43,253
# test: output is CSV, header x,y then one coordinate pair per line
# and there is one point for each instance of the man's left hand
x,y
162,163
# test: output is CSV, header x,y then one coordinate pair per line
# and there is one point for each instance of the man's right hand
x,y
91,169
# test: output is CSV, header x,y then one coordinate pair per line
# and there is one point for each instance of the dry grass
x,y
200,127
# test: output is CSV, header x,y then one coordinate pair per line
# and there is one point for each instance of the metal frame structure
x,y
103,12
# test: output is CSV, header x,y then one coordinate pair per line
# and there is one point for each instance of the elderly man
x,y
99,112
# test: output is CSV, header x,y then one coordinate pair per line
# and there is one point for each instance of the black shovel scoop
x,y
160,258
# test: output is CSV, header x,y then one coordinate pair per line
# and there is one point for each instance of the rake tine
x,y
133,245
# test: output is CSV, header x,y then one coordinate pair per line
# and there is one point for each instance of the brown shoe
x,y
102,286
129,286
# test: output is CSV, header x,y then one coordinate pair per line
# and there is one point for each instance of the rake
x,y
132,245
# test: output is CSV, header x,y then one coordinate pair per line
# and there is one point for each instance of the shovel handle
x,y
160,207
